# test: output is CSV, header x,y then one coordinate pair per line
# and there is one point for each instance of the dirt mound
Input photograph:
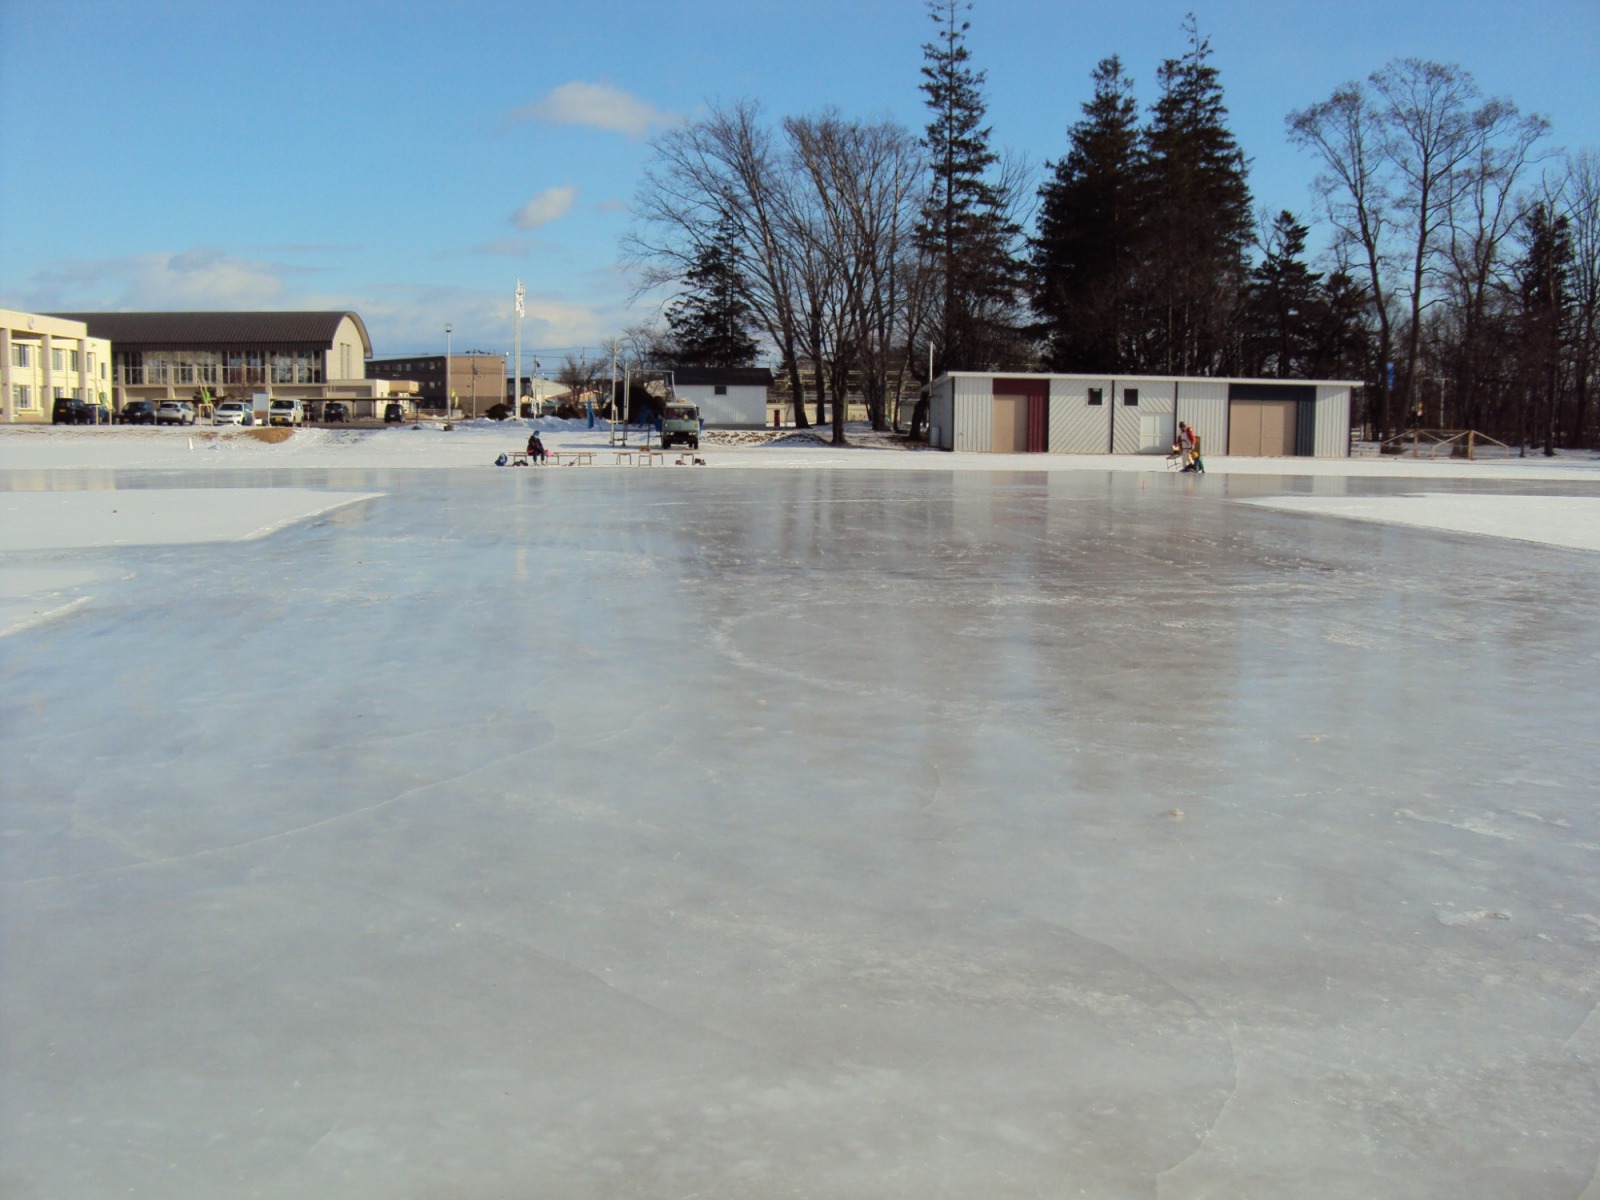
x,y
272,436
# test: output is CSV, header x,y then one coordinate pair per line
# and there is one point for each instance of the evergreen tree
x,y
1280,310
710,325
966,229
1200,218
1342,342
1086,249
1544,286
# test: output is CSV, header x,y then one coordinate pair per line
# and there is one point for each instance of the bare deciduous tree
x,y
1580,202
825,216
1419,180
867,181
724,167
1345,133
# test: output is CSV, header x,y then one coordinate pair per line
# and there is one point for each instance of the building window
x,y
19,354
72,360
55,359
1130,397
1097,397
22,395
721,389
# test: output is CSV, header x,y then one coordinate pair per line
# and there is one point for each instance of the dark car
x,y
68,411
333,410
393,412
138,412
99,414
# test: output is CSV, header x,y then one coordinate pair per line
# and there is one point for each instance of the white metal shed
x,y
997,412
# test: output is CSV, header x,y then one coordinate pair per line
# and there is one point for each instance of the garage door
x,y
1261,427
1010,424
1021,416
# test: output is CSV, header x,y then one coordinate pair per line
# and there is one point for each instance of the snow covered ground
x,y
860,822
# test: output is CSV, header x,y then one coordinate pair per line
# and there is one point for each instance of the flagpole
x,y
516,380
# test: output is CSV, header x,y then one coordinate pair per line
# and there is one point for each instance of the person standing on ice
x,y
1190,441
535,448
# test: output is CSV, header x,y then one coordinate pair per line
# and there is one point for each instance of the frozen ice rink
x,y
828,834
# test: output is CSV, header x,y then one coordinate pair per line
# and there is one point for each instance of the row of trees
x,y
1471,246
1462,280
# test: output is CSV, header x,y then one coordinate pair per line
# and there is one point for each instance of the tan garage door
x,y
1010,425
1261,427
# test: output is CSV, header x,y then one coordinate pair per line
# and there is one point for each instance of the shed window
x,y
1130,397
721,389
1097,397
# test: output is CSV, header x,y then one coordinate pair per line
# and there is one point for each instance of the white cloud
x,y
409,319
198,279
598,106
545,207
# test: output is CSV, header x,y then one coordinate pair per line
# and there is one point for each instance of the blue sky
x,y
411,162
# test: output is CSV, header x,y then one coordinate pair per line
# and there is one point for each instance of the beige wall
x,y
42,357
347,356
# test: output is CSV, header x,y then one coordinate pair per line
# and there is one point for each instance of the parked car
x,y
393,411
175,412
286,412
99,414
335,410
68,411
138,412
233,412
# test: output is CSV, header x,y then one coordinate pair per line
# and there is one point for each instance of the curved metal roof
x,y
180,330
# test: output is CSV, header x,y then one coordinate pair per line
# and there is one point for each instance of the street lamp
x,y
447,372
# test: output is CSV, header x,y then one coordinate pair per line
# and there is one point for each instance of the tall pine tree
x,y
1091,223
966,230
1200,219
1544,276
1281,305
710,325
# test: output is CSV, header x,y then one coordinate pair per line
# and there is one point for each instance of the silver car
x,y
233,412
175,412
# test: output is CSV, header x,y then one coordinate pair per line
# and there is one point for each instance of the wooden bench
x,y
520,458
572,458
639,456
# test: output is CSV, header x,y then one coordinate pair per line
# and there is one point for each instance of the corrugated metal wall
x,y
1076,426
1155,396
941,416
1203,406
974,415
1333,422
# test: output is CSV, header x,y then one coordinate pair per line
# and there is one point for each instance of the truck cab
x,y
680,422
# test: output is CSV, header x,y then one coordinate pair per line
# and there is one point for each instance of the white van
x,y
286,412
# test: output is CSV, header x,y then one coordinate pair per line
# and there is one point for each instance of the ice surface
x,y
835,833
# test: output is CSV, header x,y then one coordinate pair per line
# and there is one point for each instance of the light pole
x,y
447,372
